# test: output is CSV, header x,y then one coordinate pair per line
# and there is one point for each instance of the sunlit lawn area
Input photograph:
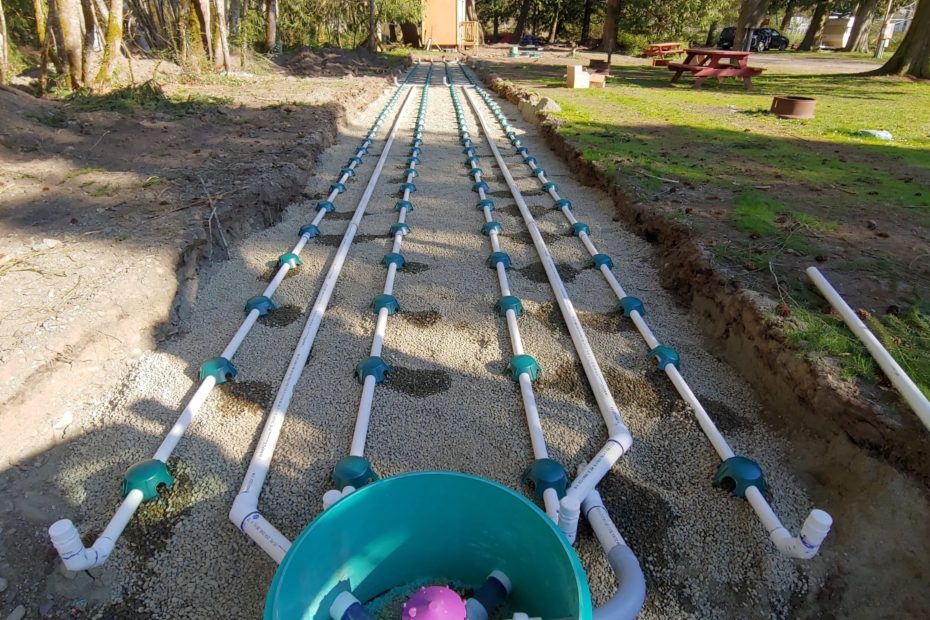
x,y
770,196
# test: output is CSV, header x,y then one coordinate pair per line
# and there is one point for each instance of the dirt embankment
x,y
105,219
741,327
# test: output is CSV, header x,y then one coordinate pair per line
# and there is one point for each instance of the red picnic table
x,y
661,50
707,63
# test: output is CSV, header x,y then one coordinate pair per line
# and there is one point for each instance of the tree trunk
x,y
609,42
711,35
410,33
220,11
789,13
862,26
40,21
69,21
202,8
235,12
271,26
554,27
881,30
814,32
496,25
372,18
114,40
93,41
4,50
521,21
913,55
586,21
53,31
751,14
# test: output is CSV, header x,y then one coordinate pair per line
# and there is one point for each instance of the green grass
x,y
759,187
147,96
906,337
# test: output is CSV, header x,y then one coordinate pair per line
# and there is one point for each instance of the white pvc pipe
x,y
246,502
619,438
907,388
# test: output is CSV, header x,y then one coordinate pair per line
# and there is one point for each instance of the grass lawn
x,y
769,197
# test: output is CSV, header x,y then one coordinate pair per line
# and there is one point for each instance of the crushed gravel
x,y
448,405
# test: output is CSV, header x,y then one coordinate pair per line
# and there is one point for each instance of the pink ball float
x,y
434,603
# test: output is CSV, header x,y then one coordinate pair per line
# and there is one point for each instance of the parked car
x,y
762,39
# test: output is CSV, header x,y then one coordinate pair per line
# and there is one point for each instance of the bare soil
x,y
89,185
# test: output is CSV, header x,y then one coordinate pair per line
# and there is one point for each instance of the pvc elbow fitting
x,y
813,532
243,506
73,553
491,595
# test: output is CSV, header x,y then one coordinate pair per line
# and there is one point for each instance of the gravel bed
x,y
450,405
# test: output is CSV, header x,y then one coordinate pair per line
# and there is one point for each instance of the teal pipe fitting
x,y
520,364
393,258
530,161
385,301
403,204
499,257
475,171
737,473
580,227
339,187
490,227
289,259
408,187
415,151
219,368
629,303
411,171
472,162
325,206
469,151
546,474
353,471
479,185
599,260
538,172
147,476
366,143
509,302
485,202
311,230
372,366
523,151
401,228
511,134
411,161
417,142
347,171
549,185
666,355
263,304
354,160
563,203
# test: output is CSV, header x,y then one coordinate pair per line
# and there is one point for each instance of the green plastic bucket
x,y
435,527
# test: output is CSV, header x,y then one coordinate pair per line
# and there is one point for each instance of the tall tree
x,y
271,26
554,27
113,43
69,21
751,14
611,16
521,21
789,13
814,33
219,9
881,31
4,49
372,19
586,21
913,55
862,27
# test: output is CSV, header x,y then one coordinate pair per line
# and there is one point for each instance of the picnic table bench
x,y
705,63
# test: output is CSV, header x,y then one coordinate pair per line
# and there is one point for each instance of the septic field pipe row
x,y
744,475
143,479
619,439
523,367
244,512
355,471
630,596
